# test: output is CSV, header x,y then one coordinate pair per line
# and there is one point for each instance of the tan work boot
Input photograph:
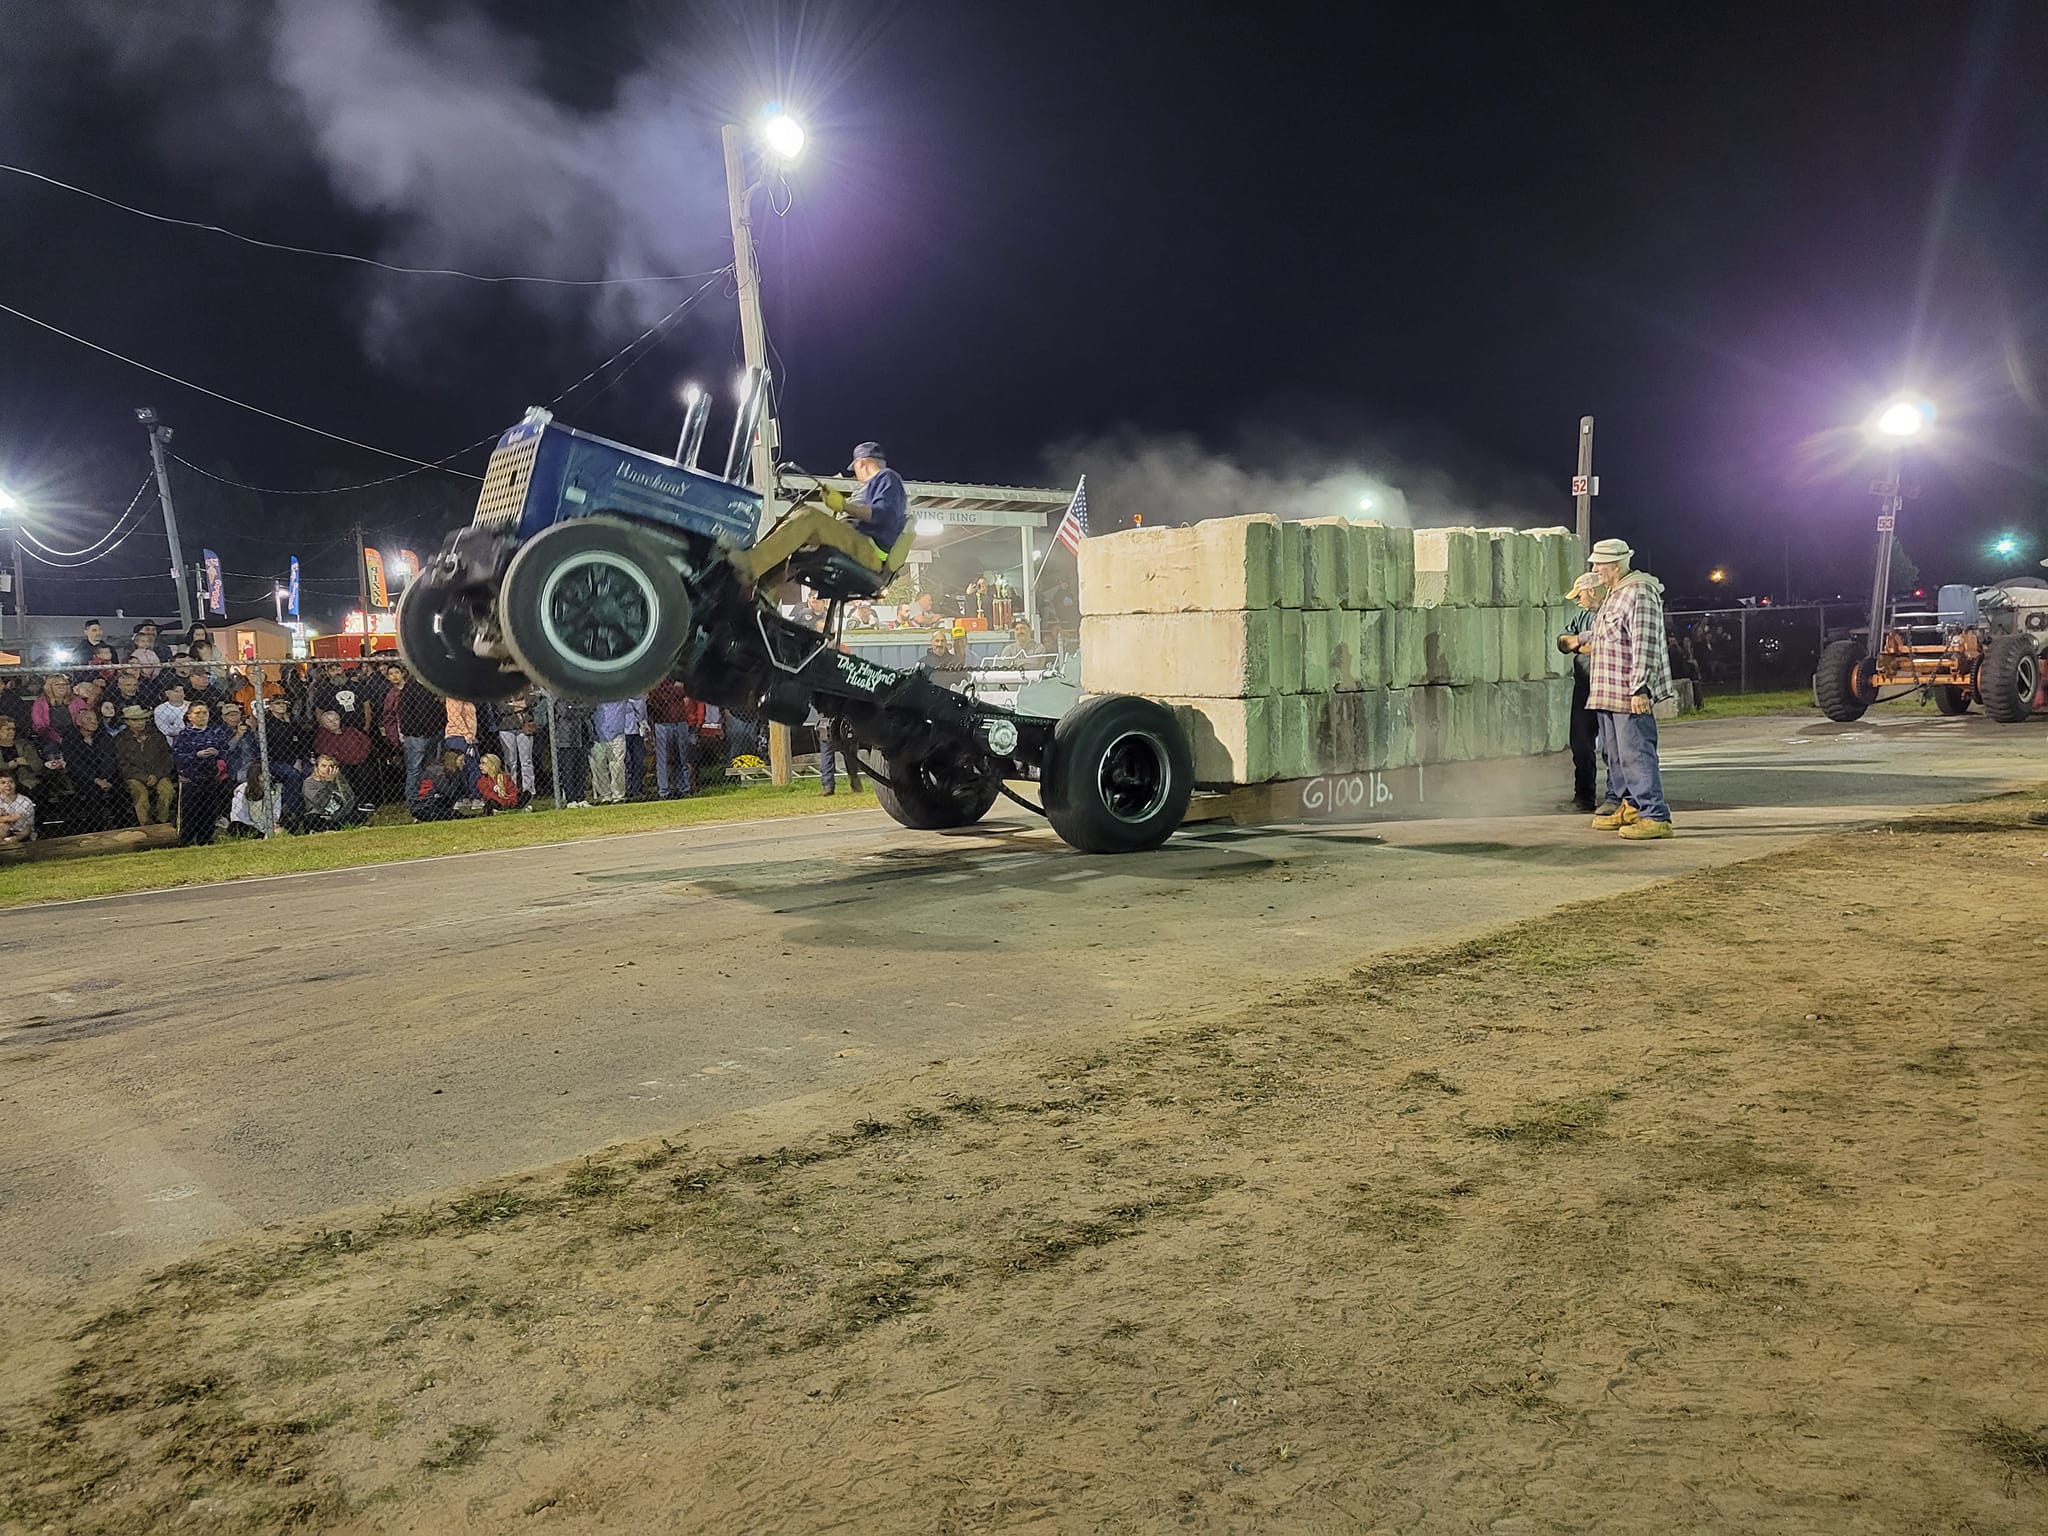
x,y
1619,816
1641,830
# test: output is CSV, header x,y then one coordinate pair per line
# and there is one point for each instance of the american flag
x,y
1073,527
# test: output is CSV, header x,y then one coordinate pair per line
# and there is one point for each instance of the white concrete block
x,y
1233,739
1219,565
1204,655
1326,573
1322,666
1461,557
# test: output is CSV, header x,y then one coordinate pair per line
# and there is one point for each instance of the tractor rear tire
x,y
433,642
1836,677
2008,678
935,795
1119,775
1952,699
593,609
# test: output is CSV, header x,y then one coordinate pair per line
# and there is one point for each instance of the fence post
x,y
260,722
555,746
1744,619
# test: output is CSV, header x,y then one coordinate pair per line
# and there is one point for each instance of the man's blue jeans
x,y
1633,777
673,737
417,750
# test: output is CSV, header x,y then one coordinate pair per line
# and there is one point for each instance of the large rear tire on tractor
x,y
593,609
1119,775
1841,682
937,794
2008,678
1951,699
433,642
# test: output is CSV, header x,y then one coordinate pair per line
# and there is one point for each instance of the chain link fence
x,y
1754,650
195,751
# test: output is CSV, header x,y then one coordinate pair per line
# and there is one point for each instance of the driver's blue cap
x,y
869,451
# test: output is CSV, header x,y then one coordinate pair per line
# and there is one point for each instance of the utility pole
x,y
159,434
739,197
1583,484
1891,494
363,589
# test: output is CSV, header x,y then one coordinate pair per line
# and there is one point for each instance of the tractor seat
x,y
831,573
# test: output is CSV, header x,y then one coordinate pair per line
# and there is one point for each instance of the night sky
x,y
1418,241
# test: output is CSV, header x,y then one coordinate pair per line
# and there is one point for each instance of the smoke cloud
x,y
1173,478
442,135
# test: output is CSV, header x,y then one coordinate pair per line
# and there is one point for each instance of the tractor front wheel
x,y
2008,678
1841,682
434,630
938,793
593,609
1951,699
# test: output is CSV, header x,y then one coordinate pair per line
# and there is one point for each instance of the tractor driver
x,y
875,517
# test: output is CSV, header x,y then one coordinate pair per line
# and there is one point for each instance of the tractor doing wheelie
x,y
597,570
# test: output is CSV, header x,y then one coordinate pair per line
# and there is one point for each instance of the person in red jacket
x,y
498,790
676,718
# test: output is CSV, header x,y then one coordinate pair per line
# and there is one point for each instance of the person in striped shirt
x,y
1630,672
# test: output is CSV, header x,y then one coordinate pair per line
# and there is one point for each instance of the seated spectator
x,y
201,754
17,813
347,743
152,678
170,715
253,812
143,638
18,755
442,790
146,766
54,712
93,650
12,704
498,790
98,801
200,689
241,741
127,690
290,743
328,801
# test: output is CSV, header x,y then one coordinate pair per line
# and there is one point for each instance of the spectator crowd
x,y
163,731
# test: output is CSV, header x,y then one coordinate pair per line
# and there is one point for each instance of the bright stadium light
x,y
1365,503
1717,575
7,501
2006,547
784,134
1903,419
692,394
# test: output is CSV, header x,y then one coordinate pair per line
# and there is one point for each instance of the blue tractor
x,y
596,570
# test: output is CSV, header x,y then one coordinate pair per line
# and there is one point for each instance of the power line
x,y
57,330
65,560
367,261
441,463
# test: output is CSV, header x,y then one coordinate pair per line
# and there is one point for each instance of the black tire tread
x,y
915,805
429,658
519,609
1834,682
1998,679
1072,800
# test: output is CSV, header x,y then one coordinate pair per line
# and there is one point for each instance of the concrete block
x,y
1233,739
1557,714
1430,713
1461,646
1557,619
1326,573
1300,721
1288,667
1290,567
1561,562
1325,657
1219,565
1391,731
1205,655
1491,625
1405,637
1524,643
1453,566
1367,636
1339,727
1510,561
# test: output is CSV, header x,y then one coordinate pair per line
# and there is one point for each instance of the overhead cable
x,y
367,261
106,544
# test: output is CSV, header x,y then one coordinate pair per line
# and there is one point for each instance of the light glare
x,y
785,135
929,526
1902,419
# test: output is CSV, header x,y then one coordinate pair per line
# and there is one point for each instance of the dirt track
x,y
1711,1207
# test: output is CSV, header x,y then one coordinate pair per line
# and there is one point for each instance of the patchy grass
x,y
2022,1450
111,874
1729,705
1555,1124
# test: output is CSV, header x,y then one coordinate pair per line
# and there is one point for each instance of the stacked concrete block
x,y
1292,650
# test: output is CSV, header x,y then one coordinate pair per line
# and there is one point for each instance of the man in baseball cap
x,y
1630,672
870,525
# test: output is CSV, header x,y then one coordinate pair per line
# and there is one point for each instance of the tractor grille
x,y
504,491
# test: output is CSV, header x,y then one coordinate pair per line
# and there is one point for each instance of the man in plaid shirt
x,y
1630,672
